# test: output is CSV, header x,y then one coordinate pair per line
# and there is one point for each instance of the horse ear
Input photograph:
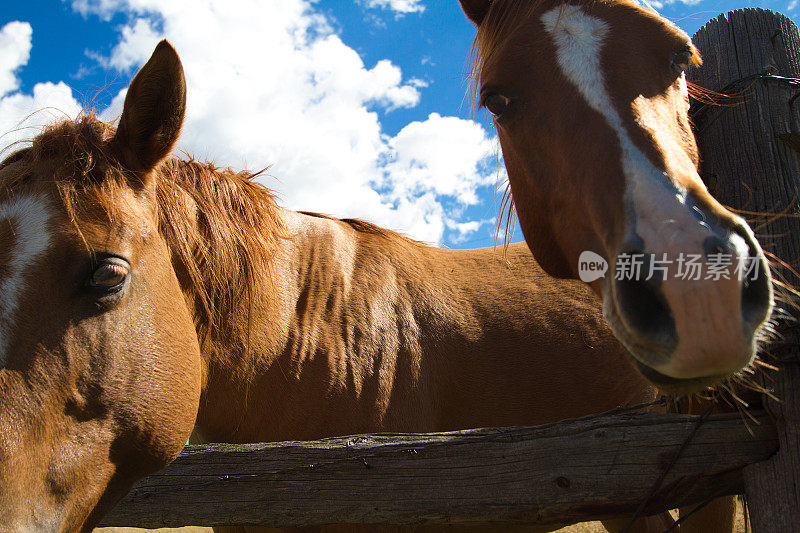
x,y
153,112
476,9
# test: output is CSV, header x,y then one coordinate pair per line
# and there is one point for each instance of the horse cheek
x,y
171,359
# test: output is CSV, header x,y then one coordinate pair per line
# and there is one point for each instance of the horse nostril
x,y
755,300
645,310
756,283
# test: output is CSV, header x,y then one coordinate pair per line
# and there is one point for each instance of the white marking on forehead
x,y
29,217
684,86
579,41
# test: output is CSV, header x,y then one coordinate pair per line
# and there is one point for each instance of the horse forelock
x,y
71,156
501,22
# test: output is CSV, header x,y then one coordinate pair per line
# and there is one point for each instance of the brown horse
x,y
143,295
590,103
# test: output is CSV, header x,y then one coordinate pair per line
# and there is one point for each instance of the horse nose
x,y
701,324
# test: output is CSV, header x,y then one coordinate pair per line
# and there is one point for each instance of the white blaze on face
x,y
29,217
655,199
684,86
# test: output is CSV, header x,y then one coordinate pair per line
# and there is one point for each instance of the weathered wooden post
x,y
749,164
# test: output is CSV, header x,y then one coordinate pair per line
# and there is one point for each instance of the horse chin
x,y
665,383
636,350
672,385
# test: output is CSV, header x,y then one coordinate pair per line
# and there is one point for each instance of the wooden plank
x,y
751,169
567,472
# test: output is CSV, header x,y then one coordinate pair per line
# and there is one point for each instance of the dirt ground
x,y
588,527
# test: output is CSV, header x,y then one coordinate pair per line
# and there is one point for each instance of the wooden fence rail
x,y
571,471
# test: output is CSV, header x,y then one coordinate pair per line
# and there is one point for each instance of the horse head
x,y
100,368
590,102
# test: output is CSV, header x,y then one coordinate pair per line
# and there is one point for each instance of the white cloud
x,y
464,230
400,7
271,84
102,8
132,51
659,4
446,155
23,115
15,44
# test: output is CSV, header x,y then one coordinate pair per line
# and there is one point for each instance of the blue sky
x,y
360,106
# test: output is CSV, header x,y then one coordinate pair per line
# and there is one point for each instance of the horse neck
x,y
265,285
316,335
355,329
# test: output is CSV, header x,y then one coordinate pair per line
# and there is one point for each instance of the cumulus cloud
x,y
401,7
270,84
15,43
432,156
102,8
464,230
660,4
22,115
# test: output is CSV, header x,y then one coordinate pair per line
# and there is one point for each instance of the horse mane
x,y
364,227
226,248
221,226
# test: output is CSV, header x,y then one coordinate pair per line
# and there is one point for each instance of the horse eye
x,y
682,59
110,275
496,103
